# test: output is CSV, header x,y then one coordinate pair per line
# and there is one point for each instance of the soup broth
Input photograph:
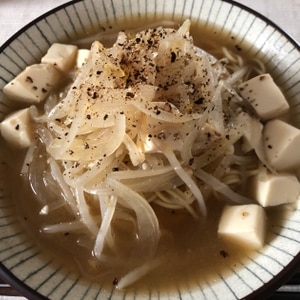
x,y
190,250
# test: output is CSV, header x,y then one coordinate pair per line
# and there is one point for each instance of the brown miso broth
x,y
191,249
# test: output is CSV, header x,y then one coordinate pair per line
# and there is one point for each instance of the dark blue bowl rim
x,y
263,292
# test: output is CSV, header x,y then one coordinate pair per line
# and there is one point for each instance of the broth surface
x,y
192,253
190,249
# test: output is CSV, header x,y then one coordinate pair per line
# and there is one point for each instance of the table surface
x,y
15,14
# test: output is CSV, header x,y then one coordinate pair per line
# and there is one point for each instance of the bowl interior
x,y
222,21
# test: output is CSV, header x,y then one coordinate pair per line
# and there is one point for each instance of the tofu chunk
x,y
61,56
17,129
82,57
264,96
282,144
33,84
244,225
275,189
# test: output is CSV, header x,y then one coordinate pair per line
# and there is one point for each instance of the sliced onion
x,y
105,226
147,222
85,215
221,188
63,227
138,273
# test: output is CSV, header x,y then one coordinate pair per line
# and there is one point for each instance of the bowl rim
x,y
264,291
22,288
71,2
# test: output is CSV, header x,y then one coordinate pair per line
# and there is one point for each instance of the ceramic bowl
x,y
23,263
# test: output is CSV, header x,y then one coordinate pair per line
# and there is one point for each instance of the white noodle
x,y
186,179
57,175
177,201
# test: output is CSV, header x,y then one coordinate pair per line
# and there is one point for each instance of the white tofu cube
x,y
17,129
82,57
244,225
282,144
275,189
33,84
62,56
264,96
